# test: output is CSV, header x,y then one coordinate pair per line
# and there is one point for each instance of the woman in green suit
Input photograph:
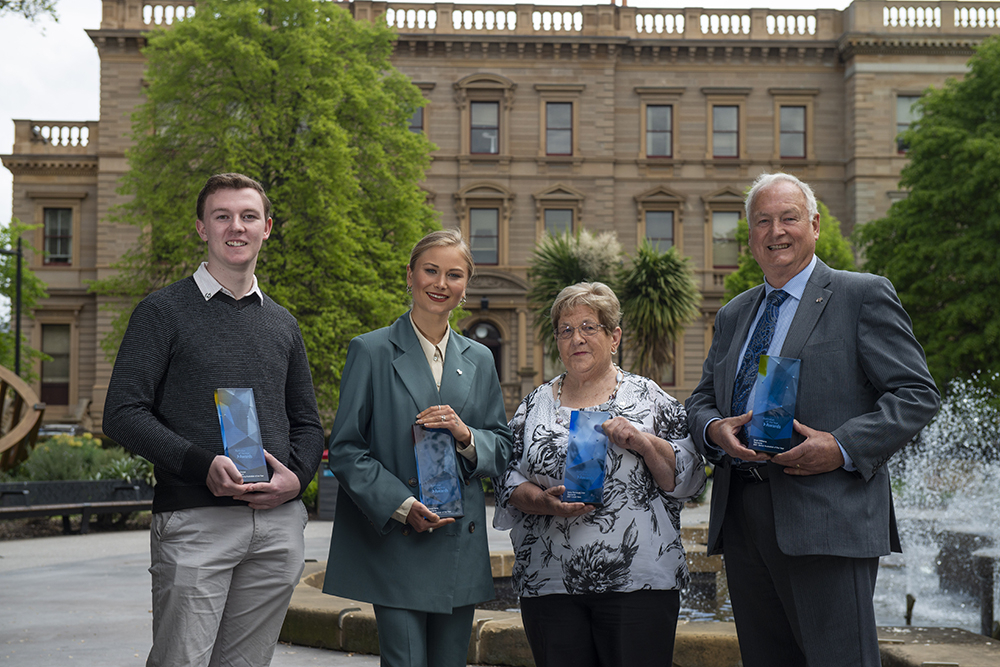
x,y
423,573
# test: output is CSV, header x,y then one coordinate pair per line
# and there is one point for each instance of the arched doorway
x,y
486,333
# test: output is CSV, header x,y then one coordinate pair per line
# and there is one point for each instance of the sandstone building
x,y
647,122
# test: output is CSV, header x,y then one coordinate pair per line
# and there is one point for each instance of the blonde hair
x,y
445,238
596,296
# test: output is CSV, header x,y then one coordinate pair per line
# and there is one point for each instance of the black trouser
x,y
602,630
794,611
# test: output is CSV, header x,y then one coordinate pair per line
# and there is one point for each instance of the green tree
x,y
29,9
831,247
302,97
566,259
32,289
939,246
659,296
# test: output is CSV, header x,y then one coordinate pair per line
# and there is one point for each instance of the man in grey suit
x,y
802,531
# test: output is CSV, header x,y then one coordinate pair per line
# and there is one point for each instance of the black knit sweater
x,y
178,349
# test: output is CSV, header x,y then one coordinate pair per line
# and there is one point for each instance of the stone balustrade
x,y
55,137
164,13
971,17
924,18
691,23
602,21
144,14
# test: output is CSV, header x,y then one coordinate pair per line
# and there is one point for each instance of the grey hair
x,y
766,180
596,296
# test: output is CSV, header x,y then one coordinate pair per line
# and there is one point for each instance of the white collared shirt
x,y
209,286
434,353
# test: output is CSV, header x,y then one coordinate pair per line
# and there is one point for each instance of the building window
x,y
559,128
558,210
55,372
484,235
416,124
557,121
656,120
484,102
558,221
725,249
485,137
793,132
659,130
725,131
794,123
483,210
660,229
906,115
660,218
58,236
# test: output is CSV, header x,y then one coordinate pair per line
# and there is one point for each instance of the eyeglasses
x,y
587,329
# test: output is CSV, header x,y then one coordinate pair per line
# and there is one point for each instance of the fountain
x,y
946,487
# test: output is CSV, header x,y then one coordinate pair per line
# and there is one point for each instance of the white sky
x,y
51,71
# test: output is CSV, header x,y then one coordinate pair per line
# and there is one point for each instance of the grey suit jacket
x,y
863,378
373,557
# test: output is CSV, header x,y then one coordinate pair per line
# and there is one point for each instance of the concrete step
x,y
316,619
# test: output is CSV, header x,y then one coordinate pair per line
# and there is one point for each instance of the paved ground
x,y
83,600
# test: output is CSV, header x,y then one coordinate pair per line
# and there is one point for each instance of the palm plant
x,y
659,296
562,260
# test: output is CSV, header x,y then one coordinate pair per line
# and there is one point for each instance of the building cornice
x,y
118,40
61,165
620,50
858,44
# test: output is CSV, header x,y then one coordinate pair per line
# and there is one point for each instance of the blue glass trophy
x,y
241,433
585,458
439,480
775,392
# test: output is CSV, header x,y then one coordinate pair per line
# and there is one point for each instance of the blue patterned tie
x,y
759,343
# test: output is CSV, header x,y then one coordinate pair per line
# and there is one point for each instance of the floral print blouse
x,y
633,541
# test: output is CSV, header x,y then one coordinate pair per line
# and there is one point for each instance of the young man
x,y
225,555
802,531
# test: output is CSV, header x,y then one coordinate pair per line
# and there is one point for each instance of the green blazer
x,y
373,557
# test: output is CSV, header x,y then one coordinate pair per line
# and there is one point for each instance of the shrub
x,y
66,457
126,466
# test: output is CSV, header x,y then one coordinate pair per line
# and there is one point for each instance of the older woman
x,y
598,585
423,573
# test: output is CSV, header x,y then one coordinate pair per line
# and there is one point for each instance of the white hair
x,y
766,180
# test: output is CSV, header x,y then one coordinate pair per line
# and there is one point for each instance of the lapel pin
x,y
458,370
819,300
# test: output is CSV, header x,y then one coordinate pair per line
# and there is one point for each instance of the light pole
x,y
17,310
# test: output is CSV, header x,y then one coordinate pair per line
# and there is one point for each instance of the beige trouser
x,y
222,579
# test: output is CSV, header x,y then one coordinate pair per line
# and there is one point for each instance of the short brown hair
x,y
596,296
445,238
231,181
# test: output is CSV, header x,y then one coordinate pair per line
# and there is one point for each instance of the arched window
x,y
486,333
